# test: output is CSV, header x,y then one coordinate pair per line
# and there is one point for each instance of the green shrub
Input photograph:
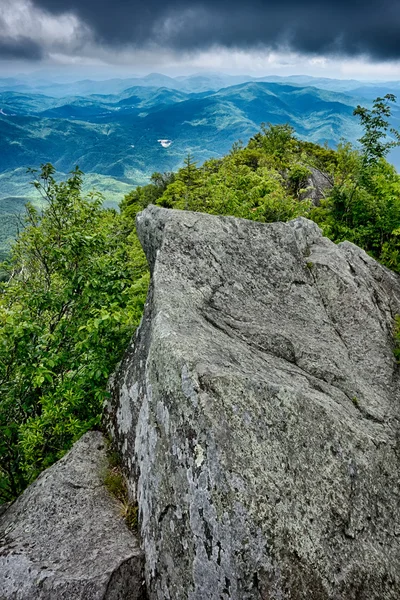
x,y
74,294
364,204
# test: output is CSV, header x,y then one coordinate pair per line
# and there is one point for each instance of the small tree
x,y
375,122
278,142
188,173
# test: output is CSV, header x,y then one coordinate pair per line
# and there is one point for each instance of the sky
x,y
341,38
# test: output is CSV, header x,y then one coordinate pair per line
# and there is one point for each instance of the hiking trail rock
x,y
64,538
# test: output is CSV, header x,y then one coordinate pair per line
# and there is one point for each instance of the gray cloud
x,y
312,27
31,33
23,48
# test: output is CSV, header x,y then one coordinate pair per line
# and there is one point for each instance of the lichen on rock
x,y
256,474
64,538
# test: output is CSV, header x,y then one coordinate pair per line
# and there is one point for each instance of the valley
x,y
121,131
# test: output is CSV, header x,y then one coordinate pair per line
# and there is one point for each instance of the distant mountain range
x,y
112,129
201,82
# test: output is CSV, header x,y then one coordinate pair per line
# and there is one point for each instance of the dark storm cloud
x,y
23,48
347,27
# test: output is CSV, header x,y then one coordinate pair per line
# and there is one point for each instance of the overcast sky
x,y
348,39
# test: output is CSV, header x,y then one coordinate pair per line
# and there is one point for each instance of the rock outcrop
x,y
317,186
64,538
257,413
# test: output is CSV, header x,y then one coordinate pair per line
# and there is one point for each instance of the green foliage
x,y
278,143
77,278
321,157
141,197
74,294
297,177
375,123
188,173
245,183
115,483
364,204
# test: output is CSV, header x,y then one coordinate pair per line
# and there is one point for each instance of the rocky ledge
x,y
256,413
64,538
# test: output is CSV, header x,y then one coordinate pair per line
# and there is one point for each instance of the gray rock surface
x,y
317,186
64,538
257,412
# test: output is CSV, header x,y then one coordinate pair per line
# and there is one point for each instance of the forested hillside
x,y
115,137
268,181
76,281
113,129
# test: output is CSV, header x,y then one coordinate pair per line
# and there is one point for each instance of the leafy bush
x,y
74,295
297,177
364,204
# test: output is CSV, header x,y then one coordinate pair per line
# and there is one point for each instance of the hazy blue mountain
x,y
370,92
196,83
117,135
112,129
17,103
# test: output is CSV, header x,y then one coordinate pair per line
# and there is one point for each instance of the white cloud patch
x,y
267,62
20,20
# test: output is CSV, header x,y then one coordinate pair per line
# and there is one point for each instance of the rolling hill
x,y
117,135
114,137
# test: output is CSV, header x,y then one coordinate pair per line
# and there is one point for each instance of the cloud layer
x,y
27,31
37,28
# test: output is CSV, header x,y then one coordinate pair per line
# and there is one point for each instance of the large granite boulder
x,y
257,413
64,538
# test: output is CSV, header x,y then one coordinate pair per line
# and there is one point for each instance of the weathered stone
x,y
64,538
257,412
317,186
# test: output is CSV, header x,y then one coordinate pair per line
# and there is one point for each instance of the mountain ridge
x,y
114,137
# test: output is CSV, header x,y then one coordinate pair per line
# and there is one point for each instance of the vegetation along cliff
x,y
74,286
256,411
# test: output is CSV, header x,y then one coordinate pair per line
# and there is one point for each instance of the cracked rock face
x,y
64,538
317,186
257,413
